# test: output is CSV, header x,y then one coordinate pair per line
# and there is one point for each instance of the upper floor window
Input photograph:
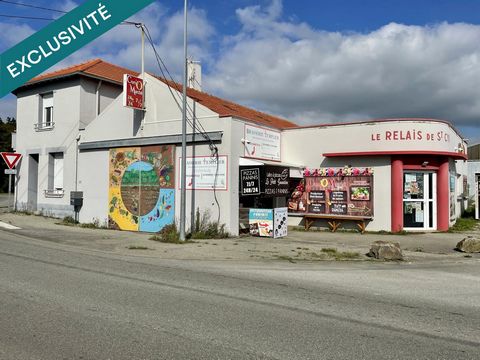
x,y
45,121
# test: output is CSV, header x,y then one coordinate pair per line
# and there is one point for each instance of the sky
x,y
307,61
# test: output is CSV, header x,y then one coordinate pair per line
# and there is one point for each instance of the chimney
x,y
194,79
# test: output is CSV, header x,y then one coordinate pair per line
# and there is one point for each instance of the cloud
x,y
12,33
311,76
122,44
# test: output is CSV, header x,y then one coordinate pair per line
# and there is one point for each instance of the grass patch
x,y
205,228
464,224
137,247
169,235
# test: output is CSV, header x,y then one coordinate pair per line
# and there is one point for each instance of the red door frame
x,y
438,164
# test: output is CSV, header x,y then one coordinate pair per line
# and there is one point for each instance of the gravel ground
x,y
297,246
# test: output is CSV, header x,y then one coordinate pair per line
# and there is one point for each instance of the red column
x,y
443,197
397,195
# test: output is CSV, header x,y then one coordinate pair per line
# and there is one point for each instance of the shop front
x,y
417,164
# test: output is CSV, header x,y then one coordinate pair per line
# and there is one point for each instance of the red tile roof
x,y
103,70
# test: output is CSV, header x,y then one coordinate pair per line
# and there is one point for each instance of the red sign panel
x,y
11,159
132,92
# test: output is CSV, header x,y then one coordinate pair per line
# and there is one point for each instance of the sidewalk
x,y
297,246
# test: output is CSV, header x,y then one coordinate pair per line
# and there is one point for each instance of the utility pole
x,y
183,193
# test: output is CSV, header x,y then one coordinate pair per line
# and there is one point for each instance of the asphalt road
x,y
63,302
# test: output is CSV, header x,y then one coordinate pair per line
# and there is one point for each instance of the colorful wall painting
x,y
141,189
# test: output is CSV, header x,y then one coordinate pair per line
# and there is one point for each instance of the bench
x,y
336,221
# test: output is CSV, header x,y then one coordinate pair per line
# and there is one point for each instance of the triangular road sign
x,y
11,159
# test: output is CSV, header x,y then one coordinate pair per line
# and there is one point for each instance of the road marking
x,y
8,226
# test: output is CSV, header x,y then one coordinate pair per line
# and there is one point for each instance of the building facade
x,y
76,135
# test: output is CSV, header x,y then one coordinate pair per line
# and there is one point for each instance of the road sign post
x,y
11,159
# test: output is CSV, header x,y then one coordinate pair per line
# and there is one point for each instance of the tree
x,y
7,127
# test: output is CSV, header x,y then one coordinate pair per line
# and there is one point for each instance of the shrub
x,y
205,228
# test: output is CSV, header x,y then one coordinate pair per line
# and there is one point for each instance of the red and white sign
x,y
11,159
132,92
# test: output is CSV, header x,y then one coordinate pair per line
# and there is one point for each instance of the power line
x,y
32,6
47,9
25,17
202,131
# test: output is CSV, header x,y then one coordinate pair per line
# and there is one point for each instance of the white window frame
x,y
425,200
47,107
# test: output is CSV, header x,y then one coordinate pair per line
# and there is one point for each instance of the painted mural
x,y
142,188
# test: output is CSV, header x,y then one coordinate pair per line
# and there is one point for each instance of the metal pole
x,y
9,189
143,51
183,193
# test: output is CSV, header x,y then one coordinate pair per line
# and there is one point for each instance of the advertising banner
x,y
250,181
334,195
261,222
276,181
280,222
262,143
203,173
268,222
132,92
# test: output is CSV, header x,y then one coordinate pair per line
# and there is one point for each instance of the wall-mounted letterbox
x,y
76,198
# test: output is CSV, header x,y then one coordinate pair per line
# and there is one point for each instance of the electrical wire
x,y
32,6
25,17
47,9
202,131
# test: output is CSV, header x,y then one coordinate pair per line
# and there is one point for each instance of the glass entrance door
x,y
419,200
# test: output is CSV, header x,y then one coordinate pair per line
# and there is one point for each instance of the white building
x,y
75,134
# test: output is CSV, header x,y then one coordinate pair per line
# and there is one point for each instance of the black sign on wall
x,y
276,181
316,196
338,208
317,208
250,181
338,196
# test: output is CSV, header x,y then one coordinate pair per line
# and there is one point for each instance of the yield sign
x,y
11,159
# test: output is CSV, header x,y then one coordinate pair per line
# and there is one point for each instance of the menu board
x,y
334,195
317,196
317,208
338,195
250,181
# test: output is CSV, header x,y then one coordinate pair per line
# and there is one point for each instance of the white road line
x,y
8,226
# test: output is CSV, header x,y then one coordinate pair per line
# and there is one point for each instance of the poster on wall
x,y
261,222
203,171
452,196
334,195
280,222
262,143
141,188
250,181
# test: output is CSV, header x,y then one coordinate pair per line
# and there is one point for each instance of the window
x,y
55,175
45,121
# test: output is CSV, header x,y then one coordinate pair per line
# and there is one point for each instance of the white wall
x,y
93,180
62,138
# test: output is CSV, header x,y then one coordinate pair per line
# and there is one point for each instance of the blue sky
x,y
308,61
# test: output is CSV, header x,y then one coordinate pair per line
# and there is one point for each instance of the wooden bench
x,y
336,221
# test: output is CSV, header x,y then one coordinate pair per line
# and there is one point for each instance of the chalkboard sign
x,y
338,208
317,208
338,196
250,181
316,196
276,181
